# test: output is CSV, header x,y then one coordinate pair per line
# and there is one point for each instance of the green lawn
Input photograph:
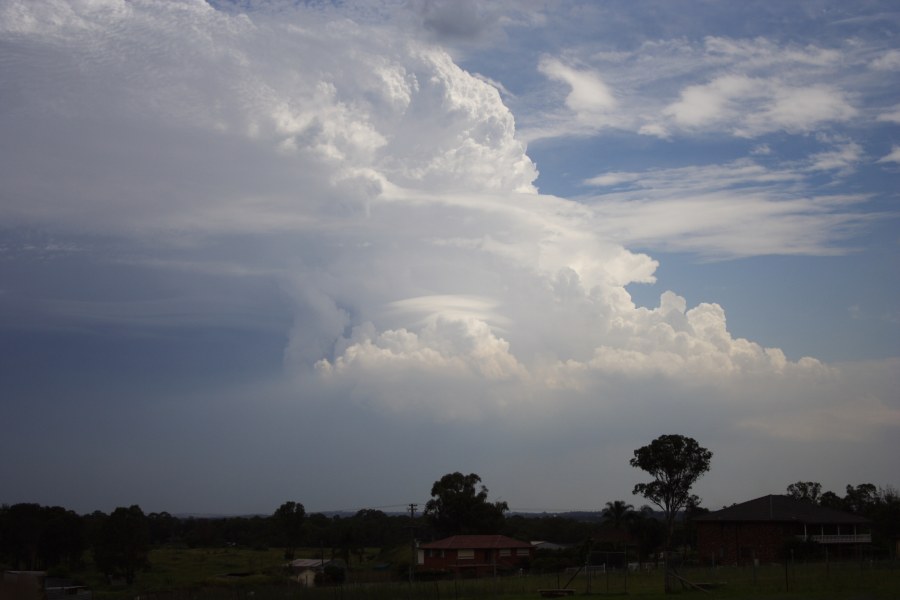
x,y
186,568
232,573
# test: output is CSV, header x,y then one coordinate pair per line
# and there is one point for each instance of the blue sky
x,y
260,251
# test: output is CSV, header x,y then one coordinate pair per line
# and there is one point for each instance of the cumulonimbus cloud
x,y
426,272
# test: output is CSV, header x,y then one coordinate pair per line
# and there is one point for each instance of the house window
x,y
465,554
521,551
505,552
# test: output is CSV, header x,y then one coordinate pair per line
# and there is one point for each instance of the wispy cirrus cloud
x,y
842,160
736,209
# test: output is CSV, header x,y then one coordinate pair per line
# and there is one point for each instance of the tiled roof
x,y
471,542
781,508
307,563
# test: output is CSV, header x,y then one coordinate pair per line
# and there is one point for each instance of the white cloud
x,y
590,104
842,413
387,192
761,53
428,368
889,61
798,109
612,179
750,107
588,94
684,345
735,209
744,87
420,252
842,160
357,118
712,103
892,116
892,157
655,130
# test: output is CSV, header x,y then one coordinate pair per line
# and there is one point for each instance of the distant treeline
x,y
35,537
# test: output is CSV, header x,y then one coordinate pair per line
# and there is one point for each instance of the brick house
x,y
475,555
761,530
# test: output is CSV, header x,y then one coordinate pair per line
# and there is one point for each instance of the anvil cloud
x,y
340,231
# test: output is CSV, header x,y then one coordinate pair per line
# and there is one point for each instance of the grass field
x,y
194,569
245,574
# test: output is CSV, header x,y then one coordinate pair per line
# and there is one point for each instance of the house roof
x,y
471,542
307,563
781,508
550,545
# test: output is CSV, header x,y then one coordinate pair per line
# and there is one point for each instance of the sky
x,y
253,252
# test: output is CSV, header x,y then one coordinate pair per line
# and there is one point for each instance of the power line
x,y
403,505
412,543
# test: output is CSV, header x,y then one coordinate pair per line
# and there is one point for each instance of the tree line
x,y
37,537
34,537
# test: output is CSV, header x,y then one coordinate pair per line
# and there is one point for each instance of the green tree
x,y
122,543
644,526
862,498
886,519
163,527
675,462
459,505
62,537
617,513
831,500
805,490
21,526
372,528
552,528
289,520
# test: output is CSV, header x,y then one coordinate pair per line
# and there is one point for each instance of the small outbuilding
x,y
305,570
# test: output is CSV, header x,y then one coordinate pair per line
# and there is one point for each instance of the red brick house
x,y
762,529
475,555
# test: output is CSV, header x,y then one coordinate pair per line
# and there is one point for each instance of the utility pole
x,y
412,543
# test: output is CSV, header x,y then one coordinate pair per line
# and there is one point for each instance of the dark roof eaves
x,y
786,511
456,542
